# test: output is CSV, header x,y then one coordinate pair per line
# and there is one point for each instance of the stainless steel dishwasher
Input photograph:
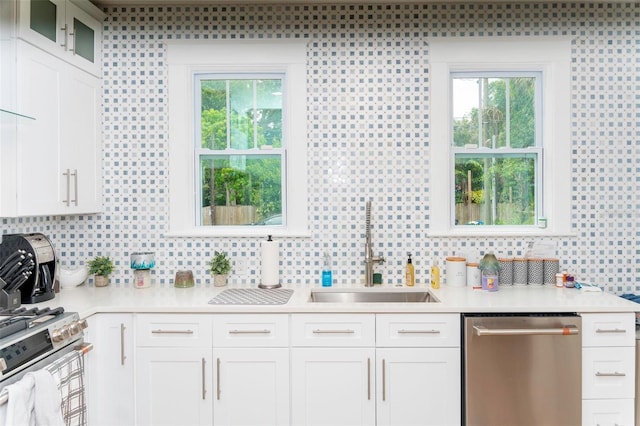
x,y
522,369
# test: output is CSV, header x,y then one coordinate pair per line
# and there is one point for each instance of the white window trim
x,y
550,56
186,58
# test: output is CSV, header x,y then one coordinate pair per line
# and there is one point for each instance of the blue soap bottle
x,y
327,276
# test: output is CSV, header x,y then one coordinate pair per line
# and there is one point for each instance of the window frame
x,y
186,59
460,55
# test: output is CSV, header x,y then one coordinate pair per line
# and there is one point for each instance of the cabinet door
x,y
607,412
83,39
332,386
40,23
80,156
608,372
110,370
63,29
246,377
173,386
40,91
418,386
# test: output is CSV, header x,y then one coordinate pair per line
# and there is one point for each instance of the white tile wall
x,y
368,99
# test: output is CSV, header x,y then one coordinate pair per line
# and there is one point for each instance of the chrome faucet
x,y
369,259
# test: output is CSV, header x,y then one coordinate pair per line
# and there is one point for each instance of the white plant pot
x,y
220,280
101,280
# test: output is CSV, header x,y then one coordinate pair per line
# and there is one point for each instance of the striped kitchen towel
x,y
68,372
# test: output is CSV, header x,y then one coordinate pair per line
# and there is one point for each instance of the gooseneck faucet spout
x,y
369,259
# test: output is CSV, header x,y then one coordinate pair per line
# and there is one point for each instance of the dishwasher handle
x,y
566,330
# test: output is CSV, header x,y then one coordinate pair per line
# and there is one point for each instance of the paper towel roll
x,y
270,263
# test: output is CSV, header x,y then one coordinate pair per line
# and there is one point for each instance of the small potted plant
x,y
219,265
101,267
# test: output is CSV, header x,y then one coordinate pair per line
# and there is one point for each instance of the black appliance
x,y
39,285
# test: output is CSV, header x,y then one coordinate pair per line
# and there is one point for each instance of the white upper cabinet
x,y
70,30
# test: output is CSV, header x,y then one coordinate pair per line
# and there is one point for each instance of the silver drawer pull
x,y
265,331
614,374
318,331
418,331
172,331
610,330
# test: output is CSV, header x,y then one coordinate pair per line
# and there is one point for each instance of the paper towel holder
x,y
270,286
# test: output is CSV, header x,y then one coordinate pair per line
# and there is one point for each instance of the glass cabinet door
x,y
43,18
84,40
63,29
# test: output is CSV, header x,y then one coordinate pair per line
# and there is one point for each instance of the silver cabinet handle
x,y
66,36
67,200
418,331
566,330
610,330
122,355
368,379
172,331
614,374
265,331
318,331
204,387
218,390
384,380
75,186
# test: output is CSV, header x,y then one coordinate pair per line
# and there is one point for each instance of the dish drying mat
x,y
252,296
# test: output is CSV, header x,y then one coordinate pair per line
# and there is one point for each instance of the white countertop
x,y
88,300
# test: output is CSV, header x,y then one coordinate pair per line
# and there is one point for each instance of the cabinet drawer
x,y
417,330
176,330
244,330
608,373
601,412
333,330
608,329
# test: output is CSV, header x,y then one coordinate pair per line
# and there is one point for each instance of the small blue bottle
x,y
327,276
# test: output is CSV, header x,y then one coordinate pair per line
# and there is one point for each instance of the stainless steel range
x,y
33,338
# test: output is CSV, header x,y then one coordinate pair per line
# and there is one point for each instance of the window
x,y
496,149
499,136
239,149
237,116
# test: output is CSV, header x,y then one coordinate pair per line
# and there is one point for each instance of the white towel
x,y
47,406
21,402
34,400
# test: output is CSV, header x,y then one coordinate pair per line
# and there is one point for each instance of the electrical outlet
x,y
240,267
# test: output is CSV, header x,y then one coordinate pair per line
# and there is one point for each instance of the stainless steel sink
x,y
352,296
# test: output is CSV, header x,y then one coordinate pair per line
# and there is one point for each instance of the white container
x,y
474,275
456,271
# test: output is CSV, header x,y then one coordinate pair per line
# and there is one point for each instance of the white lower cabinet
x,y
173,386
251,386
343,373
608,369
607,412
418,386
333,386
174,383
251,374
110,370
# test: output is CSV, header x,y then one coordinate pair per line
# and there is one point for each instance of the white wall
x,y
368,124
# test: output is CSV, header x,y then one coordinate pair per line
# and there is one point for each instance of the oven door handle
x,y
565,330
84,348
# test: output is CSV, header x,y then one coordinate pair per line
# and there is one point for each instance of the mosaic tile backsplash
x,y
368,137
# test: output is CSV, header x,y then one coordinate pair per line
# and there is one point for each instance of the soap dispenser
x,y
435,274
327,275
410,277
